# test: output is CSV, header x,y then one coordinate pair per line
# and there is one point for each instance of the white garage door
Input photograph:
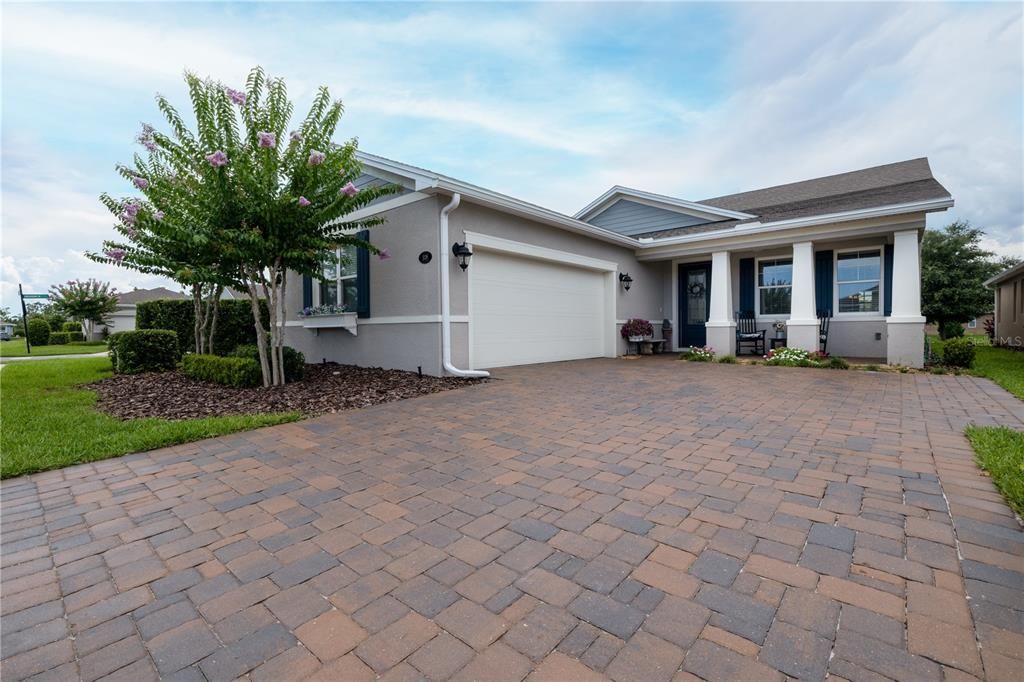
x,y
524,311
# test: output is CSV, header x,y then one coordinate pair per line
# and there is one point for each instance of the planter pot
x,y
636,339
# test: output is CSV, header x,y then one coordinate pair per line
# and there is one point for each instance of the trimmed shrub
x,y
38,331
71,327
727,359
229,371
62,338
959,352
143,350
234,322
294,361
837,363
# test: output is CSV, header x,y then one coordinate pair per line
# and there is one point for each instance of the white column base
x,y
722,337
802,334
905,341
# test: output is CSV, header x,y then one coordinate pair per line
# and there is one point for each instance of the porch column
x,y
802,326
721,326
905,325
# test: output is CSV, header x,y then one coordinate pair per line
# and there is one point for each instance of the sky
x,y
552,103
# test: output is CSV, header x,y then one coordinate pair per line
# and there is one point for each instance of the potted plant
x,y
636,330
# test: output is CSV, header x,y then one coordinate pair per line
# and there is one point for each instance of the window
x,y
858,281
774,286
973,324
340,277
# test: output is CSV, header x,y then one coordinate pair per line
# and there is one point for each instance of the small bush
x,y
788,357
950,330
143,350
837,363
63,338
38,331
727,359
695,354
230,371
234,323
294,361
71,327
959,352
871,368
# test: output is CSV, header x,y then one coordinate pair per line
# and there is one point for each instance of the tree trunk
x,y
197,315
217,291
261,334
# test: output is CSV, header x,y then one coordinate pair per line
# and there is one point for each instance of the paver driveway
x,y
642,520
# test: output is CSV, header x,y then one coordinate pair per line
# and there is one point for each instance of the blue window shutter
x,y
307,291
887,276
747,285
363,277
823,282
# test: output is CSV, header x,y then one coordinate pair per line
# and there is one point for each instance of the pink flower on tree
x,y
132,233
316,158
235,96
217,159
131,208
128,218
114,254
383,254
295,136
303,201
267,140
158,215
350,190
145,138
140,182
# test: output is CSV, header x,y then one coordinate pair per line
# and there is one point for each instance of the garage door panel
x,y
527,311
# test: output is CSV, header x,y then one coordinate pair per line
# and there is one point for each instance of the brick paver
x,y
602,519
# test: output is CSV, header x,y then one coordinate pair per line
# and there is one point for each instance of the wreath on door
x,y
696,289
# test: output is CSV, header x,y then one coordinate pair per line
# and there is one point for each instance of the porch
x,y
868,287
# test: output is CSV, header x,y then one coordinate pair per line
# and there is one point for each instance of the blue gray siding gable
x,y
631,218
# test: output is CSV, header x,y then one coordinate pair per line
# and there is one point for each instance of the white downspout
x,y
446,317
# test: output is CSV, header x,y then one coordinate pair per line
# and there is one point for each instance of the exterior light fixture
x,y
463,253
625,280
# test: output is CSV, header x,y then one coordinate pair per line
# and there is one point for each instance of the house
x,y
6,331
475,279
972,327
1009,306
123,318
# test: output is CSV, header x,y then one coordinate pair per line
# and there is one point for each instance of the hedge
x,y
71,327
229,371
234,323
143,350
294,361
38,331
62,338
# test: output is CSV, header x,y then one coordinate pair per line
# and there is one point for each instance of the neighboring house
x,y
542,286
6,331
1009,306
123,318
973,327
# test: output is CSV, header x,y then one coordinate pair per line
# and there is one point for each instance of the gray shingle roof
x,y
142,295
893,183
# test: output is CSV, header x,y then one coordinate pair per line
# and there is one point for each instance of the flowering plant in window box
x,y
322,310
637,329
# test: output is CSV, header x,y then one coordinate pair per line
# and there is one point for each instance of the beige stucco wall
x,y
1010,312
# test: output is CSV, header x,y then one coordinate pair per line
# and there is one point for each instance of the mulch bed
x,y
324,388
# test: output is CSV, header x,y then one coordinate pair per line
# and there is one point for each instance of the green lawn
x,y
1003,366
1000,452
16,348
50,422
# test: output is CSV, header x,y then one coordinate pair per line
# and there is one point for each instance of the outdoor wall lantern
x,y
625,280
463,253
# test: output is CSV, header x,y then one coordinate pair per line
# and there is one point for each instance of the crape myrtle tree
x,y
253,197
954,268
87,301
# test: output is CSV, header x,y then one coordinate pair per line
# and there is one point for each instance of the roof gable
x,y
631,217
667,204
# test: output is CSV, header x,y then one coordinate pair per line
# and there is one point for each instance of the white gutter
x,y
446,313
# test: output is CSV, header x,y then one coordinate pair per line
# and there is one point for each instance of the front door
x,y
694,303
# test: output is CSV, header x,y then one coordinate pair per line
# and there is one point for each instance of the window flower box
x,y
329,317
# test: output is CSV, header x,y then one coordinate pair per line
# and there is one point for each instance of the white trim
x,y
836,315
825,218
488,242
618,193
413,319
390,204
757,288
